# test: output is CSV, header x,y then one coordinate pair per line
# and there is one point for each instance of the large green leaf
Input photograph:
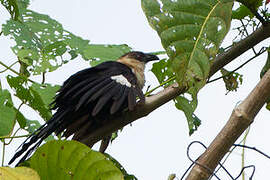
x,y
72,160
191,33
41,41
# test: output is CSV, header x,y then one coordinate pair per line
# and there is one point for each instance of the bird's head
x,y
140,56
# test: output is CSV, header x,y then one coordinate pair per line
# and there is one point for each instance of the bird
x,y
90,97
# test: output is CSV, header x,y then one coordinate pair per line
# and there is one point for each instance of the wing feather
x,y
90,92
118,103
104,99
131,99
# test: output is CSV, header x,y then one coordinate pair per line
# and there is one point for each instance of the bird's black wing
x,y
86,98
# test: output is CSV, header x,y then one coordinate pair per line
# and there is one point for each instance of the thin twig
x,y
161,84
9,67
3,153
43,78
258,54
17,73
245,29
12,137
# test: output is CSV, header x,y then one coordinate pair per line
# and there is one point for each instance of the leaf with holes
x,y
232,80
72,160
32,125
41,41
12,7
163,71
99,53
191,33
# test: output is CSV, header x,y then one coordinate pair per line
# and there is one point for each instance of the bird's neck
x,y
137,68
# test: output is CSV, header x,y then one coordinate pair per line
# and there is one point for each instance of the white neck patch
x,y
121,79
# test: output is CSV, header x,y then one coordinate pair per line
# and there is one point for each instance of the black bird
x,y
90,97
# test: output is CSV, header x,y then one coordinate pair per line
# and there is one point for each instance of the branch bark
x,y
241,117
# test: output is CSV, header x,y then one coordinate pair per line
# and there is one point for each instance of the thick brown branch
x,y
173,91
242,116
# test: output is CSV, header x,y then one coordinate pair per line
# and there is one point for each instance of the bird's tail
x,y
35,139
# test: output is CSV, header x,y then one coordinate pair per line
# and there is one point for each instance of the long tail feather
x,y
38,136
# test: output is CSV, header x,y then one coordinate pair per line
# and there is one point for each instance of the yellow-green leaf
x,y
18,173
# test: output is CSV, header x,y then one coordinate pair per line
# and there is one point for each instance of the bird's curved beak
x,y
150,57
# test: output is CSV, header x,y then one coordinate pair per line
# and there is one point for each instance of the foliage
x,y
191,35
18,173
72,160
231,79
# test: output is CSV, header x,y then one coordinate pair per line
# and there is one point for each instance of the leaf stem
x,y
8,67
161,84
3,153
12,137
245,29
17,73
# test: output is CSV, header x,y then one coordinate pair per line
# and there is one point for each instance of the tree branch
x,y
239,48
241,117
171,92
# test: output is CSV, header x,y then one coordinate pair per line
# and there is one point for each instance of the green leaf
x,y
32,125
20,118
241,13
5,98
191,33
18,173
231,79
163,70
188,107
7,120
99,53
41,41
251,4
72,160
122,169
46,92
29,96
12,7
